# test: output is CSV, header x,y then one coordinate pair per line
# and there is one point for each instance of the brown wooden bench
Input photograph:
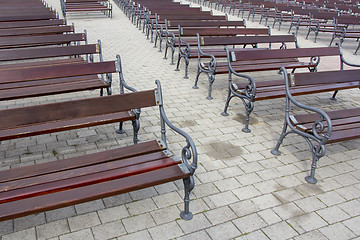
x,y
46,186
163,30
210,47
39,23
188,37
43,30
316,126
41,40
46,52
256,90
56,78
87,6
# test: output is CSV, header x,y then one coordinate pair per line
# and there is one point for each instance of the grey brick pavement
x,y
242,191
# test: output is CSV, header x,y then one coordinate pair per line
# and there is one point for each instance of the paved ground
x,y
242,191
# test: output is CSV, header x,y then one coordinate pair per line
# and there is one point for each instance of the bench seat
x,y
62,183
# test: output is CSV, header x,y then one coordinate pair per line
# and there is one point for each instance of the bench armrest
x,y
321,129
343,60
189,151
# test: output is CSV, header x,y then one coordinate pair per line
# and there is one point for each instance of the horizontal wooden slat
x,y
87,193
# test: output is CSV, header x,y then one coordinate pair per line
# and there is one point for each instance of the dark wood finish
x,y
38,23
36,30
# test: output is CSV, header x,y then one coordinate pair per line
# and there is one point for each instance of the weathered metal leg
x,y
188,186
211,78
229,97
275,151
197,79
120,130
186,68
334,95
316,35
318,151
172,56
136,127
249,107
178,63
357,49
160,43
332,39
166,50
307,35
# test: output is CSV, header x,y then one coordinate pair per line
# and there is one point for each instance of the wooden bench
x,y
255,90
43,30
210,47
46,186
47,52
316,126
188,37
87,6
56,78
163,31
44,40
38,23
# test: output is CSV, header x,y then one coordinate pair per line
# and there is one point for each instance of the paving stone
x,y
52,229
29,221
200,235
311,235
333,214
331,198
269,216
166,231
28,234
310,204
198,222
353,224
169,214
288,210
140,207
222,199
108,230
227,184
244,208
143,194
165,200
223,231
79,235
139,222
268,186
266,201
337,231
253,236
60,213
6,227
351,207
279,231
246,192
143,235
83,221
308,222
249,223
113,213
220,215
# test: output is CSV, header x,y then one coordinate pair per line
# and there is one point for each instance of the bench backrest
x,y
56,71
76,109
223,31
28,41
190,17
20,17
284,53
38,23
47,52
314,78
36,30
184,23
239,40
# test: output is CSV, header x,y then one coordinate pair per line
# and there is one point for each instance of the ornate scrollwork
x,y
187,154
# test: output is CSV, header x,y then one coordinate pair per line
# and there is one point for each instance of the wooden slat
x,y
288,53
35,30
87,193
76,109
82,177
327,77
22,24
30,64
224,31
55,71
80,161
208,41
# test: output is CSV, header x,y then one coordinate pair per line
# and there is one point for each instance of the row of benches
x,y
51,185
240,61
75,6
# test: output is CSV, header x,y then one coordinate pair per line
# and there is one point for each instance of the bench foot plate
x,y
311,180
120,131
246,130
275,152
224,114
186,216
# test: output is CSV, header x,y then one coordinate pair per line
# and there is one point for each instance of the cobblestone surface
x,y
242,191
